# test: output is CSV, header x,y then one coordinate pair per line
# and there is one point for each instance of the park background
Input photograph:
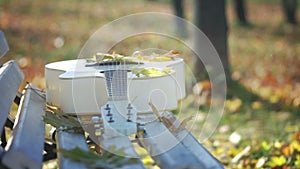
x,y
260,126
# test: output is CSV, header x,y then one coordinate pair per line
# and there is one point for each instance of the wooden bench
x,y
26,148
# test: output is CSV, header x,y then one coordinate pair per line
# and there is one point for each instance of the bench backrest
x,y
25,147
3,45
10,80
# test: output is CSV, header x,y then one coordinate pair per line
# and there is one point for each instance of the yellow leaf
x,y
274,98
296,146
140,57
286,150
147,160
265,146
234,104
277,144
161,58
155,167
297,162
256,105
277,161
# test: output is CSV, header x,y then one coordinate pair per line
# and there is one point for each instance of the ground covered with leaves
x,y
260,126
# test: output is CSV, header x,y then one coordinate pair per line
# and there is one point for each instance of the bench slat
x,y
1,151
10,80
165,148
191,143
3,45
68,141
122,142
25,147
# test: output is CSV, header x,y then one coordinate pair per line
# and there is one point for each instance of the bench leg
x,y
3,138
50,154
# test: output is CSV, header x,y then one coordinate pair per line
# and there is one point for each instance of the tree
x,y
179,11
290,9
178,8
241,12
210,18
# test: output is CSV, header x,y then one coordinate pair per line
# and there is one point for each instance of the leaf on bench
x,y
63,121
169,121
182,125
92,160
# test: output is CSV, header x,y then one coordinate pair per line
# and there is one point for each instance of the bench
x,y
27,147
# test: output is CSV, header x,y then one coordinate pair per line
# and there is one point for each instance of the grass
x,y
263,100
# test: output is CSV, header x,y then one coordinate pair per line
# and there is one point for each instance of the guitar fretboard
x,y
116,82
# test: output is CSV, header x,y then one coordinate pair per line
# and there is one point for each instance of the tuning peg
x,y
129,114
128,119
108,113
111,119
107,107
129,107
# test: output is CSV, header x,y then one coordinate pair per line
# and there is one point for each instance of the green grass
x,y
265,58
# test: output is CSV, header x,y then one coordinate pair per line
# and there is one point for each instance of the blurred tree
x,y
241,12
178,8
290,9
210,18
179,11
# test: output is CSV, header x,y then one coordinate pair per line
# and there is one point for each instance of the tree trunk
x,y
240,11
210,18
290,9
178,8
179,11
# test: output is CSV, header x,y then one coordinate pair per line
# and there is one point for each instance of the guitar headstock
x,y
119,118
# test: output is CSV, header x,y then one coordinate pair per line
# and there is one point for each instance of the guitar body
x,y
79,89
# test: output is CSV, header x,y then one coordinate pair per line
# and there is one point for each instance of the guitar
x,y
79,87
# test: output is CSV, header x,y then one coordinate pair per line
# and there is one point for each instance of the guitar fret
x,y
116,81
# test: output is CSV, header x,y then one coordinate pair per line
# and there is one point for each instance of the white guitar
x,y
78,87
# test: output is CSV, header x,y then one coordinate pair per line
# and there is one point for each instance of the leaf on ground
x,y
277,161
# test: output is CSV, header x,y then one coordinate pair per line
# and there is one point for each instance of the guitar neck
x,y
116,82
